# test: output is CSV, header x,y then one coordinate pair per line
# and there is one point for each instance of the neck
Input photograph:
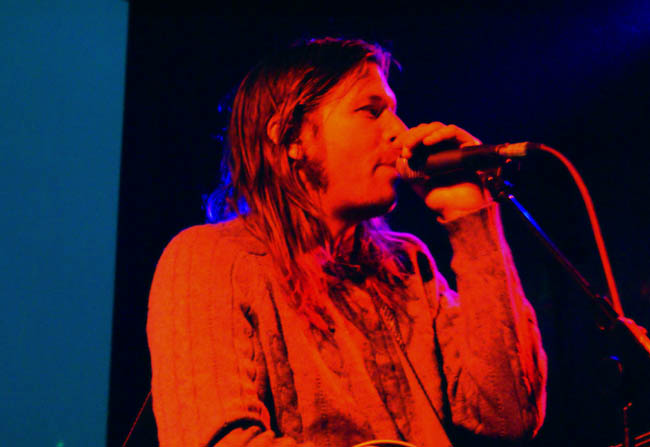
x,y
341,230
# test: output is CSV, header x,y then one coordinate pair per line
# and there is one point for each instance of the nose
x,y
394,126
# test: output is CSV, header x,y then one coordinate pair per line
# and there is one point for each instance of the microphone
x,y
427,164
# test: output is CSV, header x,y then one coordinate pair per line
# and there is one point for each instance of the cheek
x,y
350,151
348,169
354,153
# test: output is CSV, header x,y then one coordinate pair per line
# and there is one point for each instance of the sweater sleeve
x,y
492,358
208,374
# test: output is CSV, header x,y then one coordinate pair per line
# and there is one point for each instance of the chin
x,y
382,207
385,204
369,210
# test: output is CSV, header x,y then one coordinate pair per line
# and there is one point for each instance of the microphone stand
x,y
631,339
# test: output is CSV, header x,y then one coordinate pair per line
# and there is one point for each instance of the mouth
x,y
388,170
386,166
388,160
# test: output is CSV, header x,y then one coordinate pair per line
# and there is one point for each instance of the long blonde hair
x,y
267,191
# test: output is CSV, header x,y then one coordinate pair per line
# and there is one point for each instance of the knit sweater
x,y
234,363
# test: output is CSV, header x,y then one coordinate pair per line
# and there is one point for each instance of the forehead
x,y
366,82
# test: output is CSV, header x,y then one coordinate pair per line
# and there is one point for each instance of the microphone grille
x,y
406,172
514,150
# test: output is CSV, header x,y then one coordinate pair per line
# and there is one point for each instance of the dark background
x,y
575,78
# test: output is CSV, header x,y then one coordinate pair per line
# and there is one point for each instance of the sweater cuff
x,y
476,234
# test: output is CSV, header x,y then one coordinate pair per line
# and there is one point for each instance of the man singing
x,y
304,320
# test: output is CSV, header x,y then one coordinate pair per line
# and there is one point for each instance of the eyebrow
x,y
391,100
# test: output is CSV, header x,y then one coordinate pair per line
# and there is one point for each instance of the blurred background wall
x,y
62,69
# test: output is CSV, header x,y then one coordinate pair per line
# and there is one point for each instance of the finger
x,y
449,133
412,137
435,133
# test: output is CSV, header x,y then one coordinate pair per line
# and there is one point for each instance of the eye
x,y
374,110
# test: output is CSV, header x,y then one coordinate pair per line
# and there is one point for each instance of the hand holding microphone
x,y
434,150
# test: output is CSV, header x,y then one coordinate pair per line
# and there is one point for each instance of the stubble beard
x,y
317,180
315,175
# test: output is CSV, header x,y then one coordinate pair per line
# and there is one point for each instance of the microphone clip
x,y
500,181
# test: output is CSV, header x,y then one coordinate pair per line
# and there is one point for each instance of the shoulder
x,y
223,239
208,250
204,264
228,234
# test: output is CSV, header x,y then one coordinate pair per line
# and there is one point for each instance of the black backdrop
x,y
575,79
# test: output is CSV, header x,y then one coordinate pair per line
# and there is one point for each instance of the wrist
x,y
452,213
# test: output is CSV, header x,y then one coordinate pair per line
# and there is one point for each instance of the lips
x,y
387,167
388,159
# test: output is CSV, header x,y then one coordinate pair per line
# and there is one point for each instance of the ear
x,y
273,129
295,151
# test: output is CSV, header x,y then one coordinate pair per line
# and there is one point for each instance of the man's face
x,y
350,137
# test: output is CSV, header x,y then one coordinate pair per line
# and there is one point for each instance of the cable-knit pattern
x,y
234,364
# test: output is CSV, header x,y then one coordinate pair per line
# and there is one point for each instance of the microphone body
x,y
427,164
